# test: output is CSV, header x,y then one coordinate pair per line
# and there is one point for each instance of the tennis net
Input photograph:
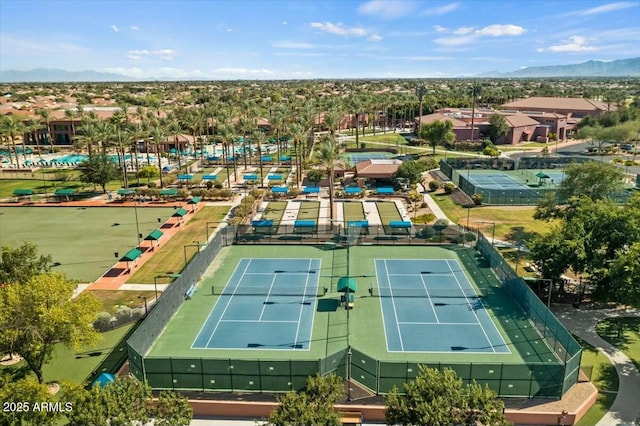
x,y
421,292
290,291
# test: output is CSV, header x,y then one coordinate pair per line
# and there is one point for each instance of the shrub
x,y
199,192
449,187
152,185
217,185
426,232
424,218
294,192
183,194
434,185
123,314
102,321
208,184
477,198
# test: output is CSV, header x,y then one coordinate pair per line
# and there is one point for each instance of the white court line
x,y
437,323
430,274
384,325
472,310
259,321
214,305
264,304
302,305
393,303
433,308
229,302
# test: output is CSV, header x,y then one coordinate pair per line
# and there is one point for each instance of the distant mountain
x,y
620,68
48,75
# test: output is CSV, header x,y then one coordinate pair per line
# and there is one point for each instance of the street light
x,y
146,311
197,244
135,210
493,230
155,281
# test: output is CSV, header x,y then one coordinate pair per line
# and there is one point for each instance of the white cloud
x,y
605,8
572,44
466,35
501,30
440,29
375,37
463,30
284,22
442,10
114,28
134,28
164,54
241,71
387,9
339,29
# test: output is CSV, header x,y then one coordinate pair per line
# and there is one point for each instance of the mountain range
x,y
619,68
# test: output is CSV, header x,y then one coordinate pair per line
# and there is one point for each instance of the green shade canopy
x,y
124,191
154,235
64,192
194,200
168,191
20,192
542,175
180,213
131,255
347,284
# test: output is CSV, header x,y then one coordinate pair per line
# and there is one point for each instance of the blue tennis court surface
x,y
498,181
266,304
356,157
430,306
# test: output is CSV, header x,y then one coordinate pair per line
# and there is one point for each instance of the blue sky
x,y
272,39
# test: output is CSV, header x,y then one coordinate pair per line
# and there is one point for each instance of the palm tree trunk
x,y
225,153
331,173
260,162
159,162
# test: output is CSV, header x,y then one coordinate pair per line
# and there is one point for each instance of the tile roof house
x,y
377,168
570,107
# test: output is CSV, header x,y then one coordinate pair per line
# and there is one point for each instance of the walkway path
x,y
371,213
625,408
290,213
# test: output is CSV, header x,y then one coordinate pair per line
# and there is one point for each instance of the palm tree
x,y
175,130
421,91
226,134
88,135
70,115
259,138
12,127
327,155
298,134
355,105
158,135
33,126
45,115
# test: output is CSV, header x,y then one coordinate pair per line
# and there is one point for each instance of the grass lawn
x,y
68,365
38,186
111,299
513,223
274,211
629,340
170,257
353,211
604,377
309,210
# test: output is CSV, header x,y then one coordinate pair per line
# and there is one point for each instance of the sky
x,y
298,39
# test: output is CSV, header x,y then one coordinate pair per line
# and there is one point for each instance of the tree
x,y
411,170
21,264
29,403
100,170
36,315
315,176
439,398
437,132
327,155
313,405
148,172
125,402
593,179
498,127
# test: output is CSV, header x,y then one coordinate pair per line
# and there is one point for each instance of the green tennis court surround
x,y
263,324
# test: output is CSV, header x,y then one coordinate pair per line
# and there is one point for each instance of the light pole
x,y
550,281
493,230
146,311
197,244
155,281
135,210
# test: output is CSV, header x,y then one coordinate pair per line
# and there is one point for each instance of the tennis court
x,y
266,304
430,306
495,180
356,157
